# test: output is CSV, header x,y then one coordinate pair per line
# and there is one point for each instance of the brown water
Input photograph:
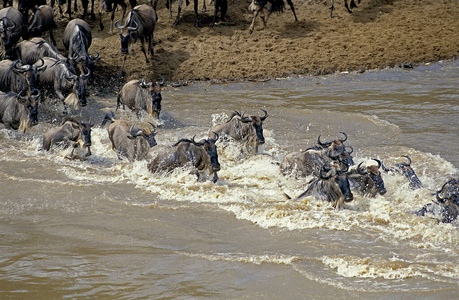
x,y
102,228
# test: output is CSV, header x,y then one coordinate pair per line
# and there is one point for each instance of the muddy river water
x,y
104,228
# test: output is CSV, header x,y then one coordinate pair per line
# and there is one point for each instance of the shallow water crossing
x,y
100,227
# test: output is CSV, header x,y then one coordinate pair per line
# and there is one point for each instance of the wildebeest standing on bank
x,y
19,112
12,29
30,51
202,155
43,20
111,7
77,39
70,133
257,7
405,169
18,78
248,130
141,95
140,24
332,185
128,141
59,77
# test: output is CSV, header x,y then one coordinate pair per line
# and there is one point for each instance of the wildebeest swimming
x,y
446,206
367,180
247,130
128,141
18,111
405,169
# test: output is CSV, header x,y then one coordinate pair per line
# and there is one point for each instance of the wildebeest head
x,y
128,36
31,104
31,72
257,123
339,175
374,175
211,149
146,133
406,169
335,147
79,86
449,190
8,35
155,91
346,157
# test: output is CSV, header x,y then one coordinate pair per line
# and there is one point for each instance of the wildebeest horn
x,y
345,137
265,116
40,67
161,83
384,168
245,119
350,152
21,68
378,161
130,28
327,174
35,93
97,54
439,199
84,76
409,161
215,138
196,143
154,128
361,170
71,77
117,25
323,145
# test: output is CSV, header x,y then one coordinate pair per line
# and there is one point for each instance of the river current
x,y
102,228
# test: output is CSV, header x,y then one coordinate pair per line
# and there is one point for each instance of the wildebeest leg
x,y
353,5
178,13
347,6
142,45
69,8
293,8
122,66
204,8
196,24
264,17
150,44
169,7
331,8
255,14
215,178
51,37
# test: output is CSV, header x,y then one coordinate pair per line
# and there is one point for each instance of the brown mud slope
x,y
379,33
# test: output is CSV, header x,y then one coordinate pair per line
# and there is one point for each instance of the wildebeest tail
x,y
108,117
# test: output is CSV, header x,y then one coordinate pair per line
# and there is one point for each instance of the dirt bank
x,y
379,33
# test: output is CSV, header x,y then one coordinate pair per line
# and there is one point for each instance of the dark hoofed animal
x,y
311,160
349,8
20,78
110,6
128,141
247,130
59,77
446,206
405,169
12,28
201,155
140,95
43,20
70,133
17,111
140,24
30,51
332,185
367,180
257,6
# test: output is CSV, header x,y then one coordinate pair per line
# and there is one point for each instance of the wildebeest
x,y
405,168
70,133
12,29
367,180
140,95
43,20
17,111
77,39
30,51
345,5
202,155
257,6
140,24
111,6
128,141
248,130
446,206
18,78
59,77
311,160
332,185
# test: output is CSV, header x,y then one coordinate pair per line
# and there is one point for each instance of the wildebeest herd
x,y
33,69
